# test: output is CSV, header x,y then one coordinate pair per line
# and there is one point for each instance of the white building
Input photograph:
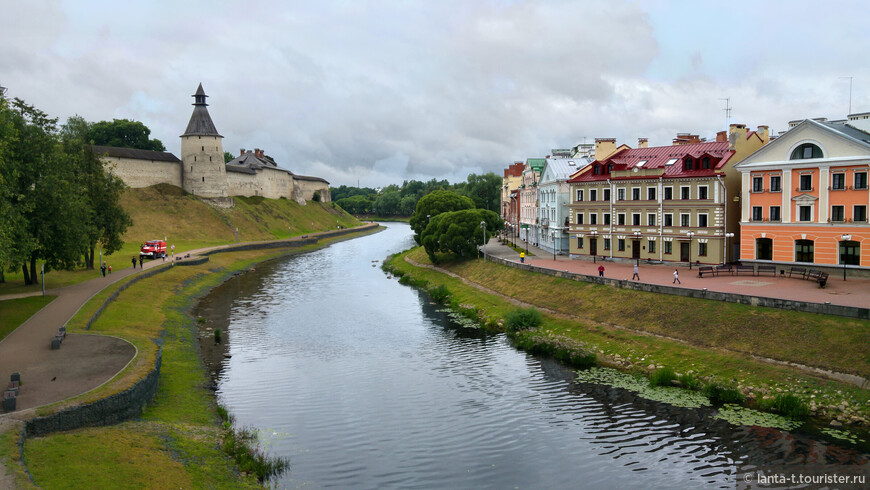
x,y
554,197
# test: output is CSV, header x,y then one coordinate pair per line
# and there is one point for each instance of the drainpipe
x,y
661,221
610,231
725,217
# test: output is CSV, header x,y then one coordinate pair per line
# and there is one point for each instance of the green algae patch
x,y
737,415
843,435
641,386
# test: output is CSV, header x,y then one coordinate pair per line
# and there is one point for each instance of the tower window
x,y
203,148
191,168
194,158
203,179
209,158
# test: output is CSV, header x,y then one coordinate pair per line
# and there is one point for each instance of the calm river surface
x,y
363,383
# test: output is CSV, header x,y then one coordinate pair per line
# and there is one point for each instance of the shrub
x,y
217,336
791,406
440,294
689,382
522,318
722,394
241,445
662,377
316,196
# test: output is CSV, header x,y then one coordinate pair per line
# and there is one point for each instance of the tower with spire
x,y
203,171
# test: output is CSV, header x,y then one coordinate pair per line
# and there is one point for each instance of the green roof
x,y
537,164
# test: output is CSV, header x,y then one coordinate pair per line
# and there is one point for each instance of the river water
x,y
363,383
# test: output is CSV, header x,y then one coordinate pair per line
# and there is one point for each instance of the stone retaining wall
x,y
113,409
785,304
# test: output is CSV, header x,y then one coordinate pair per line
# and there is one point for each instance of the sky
x,y
373,93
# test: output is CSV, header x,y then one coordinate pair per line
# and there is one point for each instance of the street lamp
x,y
846,238
553,236
728,237
483,228
690,234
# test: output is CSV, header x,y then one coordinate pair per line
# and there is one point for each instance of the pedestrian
x,y
134,262
522,257
140,261
676,277
109,266
103,269
635,275
600,271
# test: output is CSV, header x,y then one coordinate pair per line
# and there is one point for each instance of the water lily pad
x,y
640,385
737,415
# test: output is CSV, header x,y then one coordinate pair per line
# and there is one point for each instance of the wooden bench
x,y
822,279
766,268
802,271
745,268
723,268
813,274
706,269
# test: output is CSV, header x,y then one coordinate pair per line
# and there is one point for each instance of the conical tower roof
x,y
200,122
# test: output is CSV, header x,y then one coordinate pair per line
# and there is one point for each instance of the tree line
x,y
58,202
394,200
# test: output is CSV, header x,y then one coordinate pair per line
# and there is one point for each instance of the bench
x,y
56,341
766,268
802,271
745,268
705,269
814,274
723,268
822,279
9,401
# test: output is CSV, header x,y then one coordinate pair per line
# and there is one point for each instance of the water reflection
x,y
363,383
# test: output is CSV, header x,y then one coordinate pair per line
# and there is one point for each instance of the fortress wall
x,y
305,190
239,184
275,184
143,173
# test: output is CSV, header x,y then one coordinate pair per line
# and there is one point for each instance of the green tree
x,y
387,203
124,133
434,204
484,190
355,204
228,157
459,232
407,205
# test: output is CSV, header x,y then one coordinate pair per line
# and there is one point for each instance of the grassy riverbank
x,y
713,342
178,440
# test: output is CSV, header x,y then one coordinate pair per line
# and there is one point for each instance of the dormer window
x,y
705,163
609,167
597,170
805,151
687,165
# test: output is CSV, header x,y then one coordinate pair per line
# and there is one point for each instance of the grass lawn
x,y
14,312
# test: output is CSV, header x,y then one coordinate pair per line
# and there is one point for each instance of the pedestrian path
x,y
850,292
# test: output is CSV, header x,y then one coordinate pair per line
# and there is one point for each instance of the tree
x,y
228,157
124,133
433,204
459,232
387,203
355,204
484,190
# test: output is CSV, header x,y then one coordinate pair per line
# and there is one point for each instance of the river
x,y
364,383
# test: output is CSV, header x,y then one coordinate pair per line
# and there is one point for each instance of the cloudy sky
x,y
377,92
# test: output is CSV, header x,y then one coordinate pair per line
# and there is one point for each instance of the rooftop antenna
x,y
850,94
727,110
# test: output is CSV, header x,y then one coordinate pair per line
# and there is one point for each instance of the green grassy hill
x,y
187,222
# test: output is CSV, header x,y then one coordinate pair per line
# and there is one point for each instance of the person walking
x,y
134,262
635,275
600,271
109,266
103,269
522,257
676,277
140,261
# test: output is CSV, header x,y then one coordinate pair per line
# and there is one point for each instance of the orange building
x,y
805,196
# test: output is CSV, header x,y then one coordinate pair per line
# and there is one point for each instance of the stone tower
x,y
203,171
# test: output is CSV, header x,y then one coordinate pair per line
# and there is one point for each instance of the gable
x,y
834,144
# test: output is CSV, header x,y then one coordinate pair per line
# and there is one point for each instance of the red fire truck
x,y
153,249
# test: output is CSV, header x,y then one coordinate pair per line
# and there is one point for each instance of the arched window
x,y
803,251
764,249
597,170
609,167
705,163
806,150
687,165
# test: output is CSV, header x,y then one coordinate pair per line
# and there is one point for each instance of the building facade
x,y
529,226
553,199
805,196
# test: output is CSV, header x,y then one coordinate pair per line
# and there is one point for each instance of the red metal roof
x,y
657,157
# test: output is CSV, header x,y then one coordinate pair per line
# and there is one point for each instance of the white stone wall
x,y
239,184
204,173
143,173
305,190
275,184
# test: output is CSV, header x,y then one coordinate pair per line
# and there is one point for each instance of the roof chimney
x,y
242,152
642,142
604,147
722,136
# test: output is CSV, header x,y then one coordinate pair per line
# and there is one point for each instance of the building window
x,y
838,182
806,150
651,193
685,192
850,253
609,167
764,249
606,217
203,179
806,182
635,219
685,220
860,180
580,242
705,163
758,184
606,244
579,195
702,249
620,194
803,251
620,245
756,213
669,220
775,183
838,213
593,194
607,195
651,219
669,193
702,221
669,248
620,219
774,214
579,218
593,218
687,165
859,213
596,170
702,192
635,193
651,246
805,213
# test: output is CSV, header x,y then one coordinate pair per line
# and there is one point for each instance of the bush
x,y
662,377
791,406
439,294
721,394
316,196
522,318
217,336
689,382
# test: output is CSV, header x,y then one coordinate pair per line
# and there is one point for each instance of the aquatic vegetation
x,y
523,318
737,415
843,435
662,377
723,394
641,386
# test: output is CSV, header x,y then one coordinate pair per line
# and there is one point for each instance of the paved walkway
x,y
851,292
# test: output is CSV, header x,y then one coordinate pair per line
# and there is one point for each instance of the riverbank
x,y
641,332
179,431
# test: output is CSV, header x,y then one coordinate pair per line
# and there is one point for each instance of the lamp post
x,y
846,238
483,229
728,237
594,234
553,236
690,234
637,235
